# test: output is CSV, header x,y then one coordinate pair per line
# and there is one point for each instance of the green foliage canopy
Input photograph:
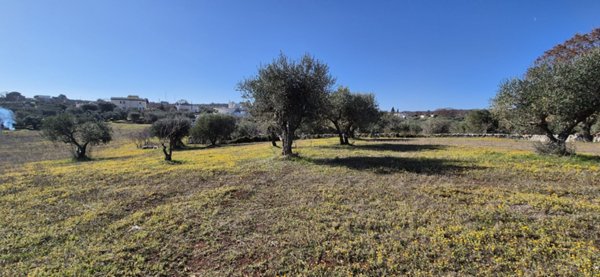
x,y
348,111
170,131
81,132
213,127
480,121
560,91
553,99
286,92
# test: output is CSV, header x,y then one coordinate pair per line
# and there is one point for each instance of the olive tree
x,y
81,132
433,126
480,121
170,131
286,92
348,111
213,127
141,138
553,97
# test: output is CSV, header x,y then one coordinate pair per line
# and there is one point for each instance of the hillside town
x,y
27,113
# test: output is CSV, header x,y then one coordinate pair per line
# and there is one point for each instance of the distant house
x,y
232,108
43,98
427,115
131,102
184,106
400,115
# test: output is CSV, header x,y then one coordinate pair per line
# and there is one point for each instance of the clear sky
x,y
414,55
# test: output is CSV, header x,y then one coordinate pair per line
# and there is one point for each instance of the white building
x,y
187,107
232,109
400,115
131,102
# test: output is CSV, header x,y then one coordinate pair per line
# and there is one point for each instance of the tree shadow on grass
x,y
111,158
586,158
195,147
392,147
388,165
384,139
174,162
91,158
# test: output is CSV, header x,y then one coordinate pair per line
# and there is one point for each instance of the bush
x,y
153,116
397,125
141,138
413,127
246,129
480,121
89,107
458,127
104,106
134,117
31,121
436,126
389,123
213,128
120,114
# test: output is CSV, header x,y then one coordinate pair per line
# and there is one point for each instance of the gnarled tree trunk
x,y
341,135
288,138
558,144
345,139
273,139
347,133
80,152
338,128
168,152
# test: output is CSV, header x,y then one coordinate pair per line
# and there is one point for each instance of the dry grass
x,y
440,206
25,146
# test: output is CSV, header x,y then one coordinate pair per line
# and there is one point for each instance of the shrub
x,y
134,117
141,138
480,121
32,121
458,127
436,126
246,128
153,116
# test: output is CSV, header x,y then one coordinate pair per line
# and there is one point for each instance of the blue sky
x,y
414,55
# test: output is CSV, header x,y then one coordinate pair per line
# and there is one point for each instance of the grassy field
x,y
439,206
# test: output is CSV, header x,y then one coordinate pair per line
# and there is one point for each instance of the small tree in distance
x,y
348,111
213,127
141,138
81,132
286,92
170,131
480,121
